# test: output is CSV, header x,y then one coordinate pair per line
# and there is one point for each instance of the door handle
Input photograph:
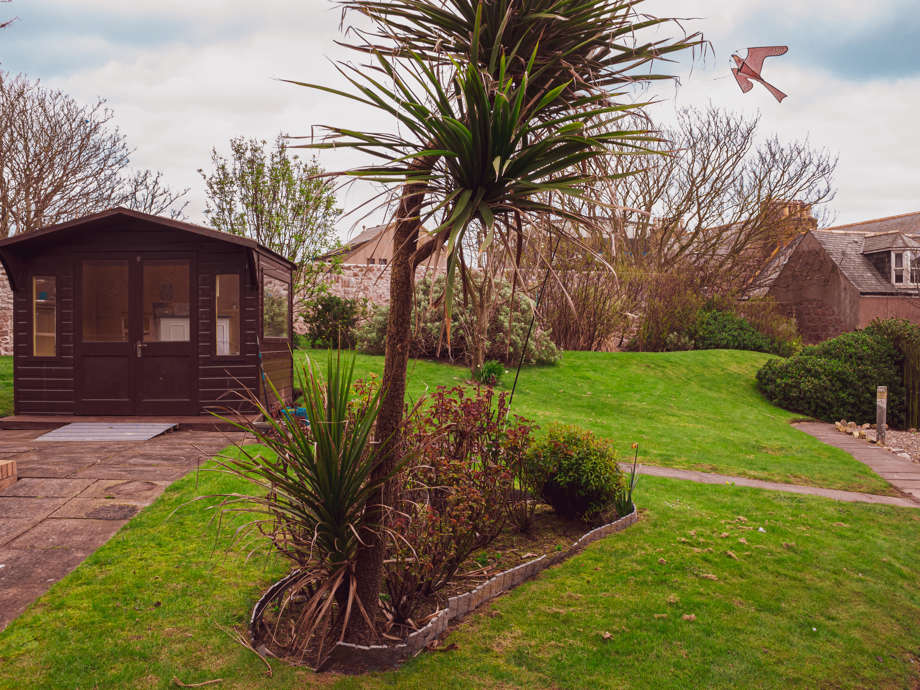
x,y
139,348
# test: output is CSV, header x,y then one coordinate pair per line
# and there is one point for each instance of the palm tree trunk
x,y
369,566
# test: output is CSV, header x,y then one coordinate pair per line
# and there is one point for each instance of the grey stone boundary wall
x,y
353,659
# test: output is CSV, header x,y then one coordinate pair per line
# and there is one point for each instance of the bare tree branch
x,y
60,160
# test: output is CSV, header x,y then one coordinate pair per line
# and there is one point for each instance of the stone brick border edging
x,y
353,659
7,473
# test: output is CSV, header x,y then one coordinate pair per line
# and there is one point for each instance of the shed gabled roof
x,y
146,217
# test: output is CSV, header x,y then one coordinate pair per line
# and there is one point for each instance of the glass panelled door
x,y
166,373
105,372
137,334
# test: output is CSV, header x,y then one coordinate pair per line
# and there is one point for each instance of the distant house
x,y
841,278
374,247
365,264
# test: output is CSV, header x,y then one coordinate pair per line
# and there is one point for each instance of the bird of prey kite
x,y
748,70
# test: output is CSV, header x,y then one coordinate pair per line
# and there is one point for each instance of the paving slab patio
x,y
73,497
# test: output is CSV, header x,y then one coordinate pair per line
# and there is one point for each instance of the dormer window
x,y
898,268
905,267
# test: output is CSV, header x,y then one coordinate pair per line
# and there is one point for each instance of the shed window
x,y
44,316
227,314
275,308
105,301
166,302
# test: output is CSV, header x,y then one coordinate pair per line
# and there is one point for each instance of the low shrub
x,y
490,373
506,336
577,473
460,486
671,305
764,315
331,321
838,378
308,487
715,329
674,321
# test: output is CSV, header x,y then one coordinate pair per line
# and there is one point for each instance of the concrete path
x,y
902,474
73,497
709,478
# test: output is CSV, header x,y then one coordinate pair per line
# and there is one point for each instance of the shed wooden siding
x,y
221,380
47,385
277,357
44,385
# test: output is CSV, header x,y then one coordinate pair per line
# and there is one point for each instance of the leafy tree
x,y
60,160
278,200
495,101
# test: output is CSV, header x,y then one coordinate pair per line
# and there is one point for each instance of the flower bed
x,y
352,659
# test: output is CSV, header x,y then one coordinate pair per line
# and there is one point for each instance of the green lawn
x,y
828,595
691,410
6,386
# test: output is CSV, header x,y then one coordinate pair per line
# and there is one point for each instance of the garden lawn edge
x,y
350,658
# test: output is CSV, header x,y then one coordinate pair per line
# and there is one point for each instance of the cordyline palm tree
x,y
496,103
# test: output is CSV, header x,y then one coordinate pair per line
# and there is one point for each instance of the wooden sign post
x,y
881,413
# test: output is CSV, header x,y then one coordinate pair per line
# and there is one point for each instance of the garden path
x,y
72,497
710,478
901,473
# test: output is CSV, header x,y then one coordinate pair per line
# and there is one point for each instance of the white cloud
x,y
180,93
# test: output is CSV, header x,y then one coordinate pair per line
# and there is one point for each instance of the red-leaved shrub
x,y
456,492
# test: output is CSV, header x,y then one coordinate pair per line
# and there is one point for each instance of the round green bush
x,y
331,321
577,473
838,378
715,329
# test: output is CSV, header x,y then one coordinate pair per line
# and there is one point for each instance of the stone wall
x,y
359,281
812,290
6,316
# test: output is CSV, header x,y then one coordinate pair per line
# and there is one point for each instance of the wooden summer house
x,y
124,313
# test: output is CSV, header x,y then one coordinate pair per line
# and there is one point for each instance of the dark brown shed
x,y
124,313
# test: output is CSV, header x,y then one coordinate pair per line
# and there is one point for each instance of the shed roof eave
x,y
155,220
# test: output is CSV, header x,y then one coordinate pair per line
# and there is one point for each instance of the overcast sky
x,y
183,76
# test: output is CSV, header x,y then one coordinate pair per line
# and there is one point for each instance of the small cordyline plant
x,y
312,483
455,493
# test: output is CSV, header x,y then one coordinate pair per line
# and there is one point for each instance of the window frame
x,y
57,314
908,270
240,277
289,325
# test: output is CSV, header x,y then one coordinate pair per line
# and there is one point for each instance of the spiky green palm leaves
x,y
496,101
593,45
313,484
493,103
